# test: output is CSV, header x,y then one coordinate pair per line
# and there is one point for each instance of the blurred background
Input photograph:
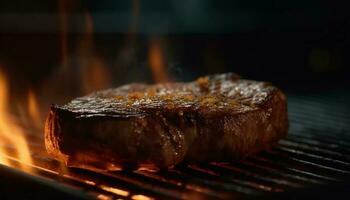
x,y
52,51
69,48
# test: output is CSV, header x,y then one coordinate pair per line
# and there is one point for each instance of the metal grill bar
x,y
340,165
266,181
315,151
327,139
298,169
301,160
280,172
321,146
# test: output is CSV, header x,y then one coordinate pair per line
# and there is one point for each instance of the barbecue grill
x,y
55,51
313,161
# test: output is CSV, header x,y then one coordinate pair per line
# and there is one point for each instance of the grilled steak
x,y
215,118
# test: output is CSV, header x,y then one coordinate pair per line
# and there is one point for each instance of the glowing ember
x,y
140,197
103,197
115,190
11,135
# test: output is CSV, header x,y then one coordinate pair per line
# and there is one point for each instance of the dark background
x,y
297,45
65,48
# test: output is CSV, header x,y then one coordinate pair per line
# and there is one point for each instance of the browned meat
x,y
216,118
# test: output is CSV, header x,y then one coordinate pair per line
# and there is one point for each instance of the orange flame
x,y
33,109
63,29
10,133
95,75
157,63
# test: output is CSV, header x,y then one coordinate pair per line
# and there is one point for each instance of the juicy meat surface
x,y
215,118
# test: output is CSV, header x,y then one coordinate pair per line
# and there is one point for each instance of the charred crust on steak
x,y
215,118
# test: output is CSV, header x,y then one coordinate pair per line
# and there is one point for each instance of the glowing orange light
x,y
103,197
157,63
3,160
115,190
10,133
140,197
33,109
90,182
94,74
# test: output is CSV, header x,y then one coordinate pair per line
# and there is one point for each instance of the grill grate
x,y
315,153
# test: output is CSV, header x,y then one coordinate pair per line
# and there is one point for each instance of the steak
x,y
215,118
